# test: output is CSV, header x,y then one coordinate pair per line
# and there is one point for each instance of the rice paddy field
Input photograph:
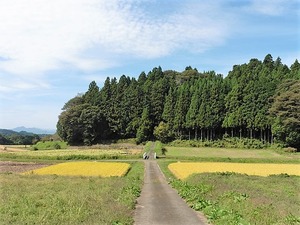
x,y
233,198
84,199
101,169
237,186
71,154
182,170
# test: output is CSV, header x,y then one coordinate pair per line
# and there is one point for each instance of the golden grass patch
x,y
102,169
183,170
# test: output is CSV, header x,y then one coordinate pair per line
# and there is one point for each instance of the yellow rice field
x,y
102,169
183,170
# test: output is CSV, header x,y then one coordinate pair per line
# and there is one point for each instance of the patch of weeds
x,y
292,219
228,198
196,197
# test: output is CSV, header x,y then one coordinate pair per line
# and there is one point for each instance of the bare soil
x,y
19,167
11,148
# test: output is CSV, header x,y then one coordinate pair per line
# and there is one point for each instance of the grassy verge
x,y
69,200
148,147
228,198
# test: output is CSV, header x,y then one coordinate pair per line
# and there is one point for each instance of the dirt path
x,y
159,204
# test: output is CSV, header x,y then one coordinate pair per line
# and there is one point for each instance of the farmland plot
x,y
102,169
53,199
183,170
71,154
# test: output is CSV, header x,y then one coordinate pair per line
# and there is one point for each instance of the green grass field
x,y
69,200
227,154
47,145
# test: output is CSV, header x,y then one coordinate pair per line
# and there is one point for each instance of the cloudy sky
x,y
51,50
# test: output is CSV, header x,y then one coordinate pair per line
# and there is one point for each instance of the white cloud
x,y
40,35
272,7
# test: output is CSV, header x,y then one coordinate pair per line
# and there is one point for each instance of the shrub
x,y
222,143
57,146
49,145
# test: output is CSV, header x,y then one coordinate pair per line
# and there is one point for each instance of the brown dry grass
x,y
19,167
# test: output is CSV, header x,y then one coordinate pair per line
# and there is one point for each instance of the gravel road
x,y
159,204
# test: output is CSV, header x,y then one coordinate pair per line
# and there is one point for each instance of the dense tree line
x,y
258,99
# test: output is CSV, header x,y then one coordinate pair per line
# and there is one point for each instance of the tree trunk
x,y
196,133
201,133
261,134
241,130
272,138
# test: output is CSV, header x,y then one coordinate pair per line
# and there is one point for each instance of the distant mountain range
x,y
34,130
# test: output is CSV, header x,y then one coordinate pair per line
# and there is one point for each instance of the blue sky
x,y
51,50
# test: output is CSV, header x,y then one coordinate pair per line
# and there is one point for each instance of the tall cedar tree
x,y
191,104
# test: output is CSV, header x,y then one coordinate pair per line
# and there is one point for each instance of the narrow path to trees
x,y
160,204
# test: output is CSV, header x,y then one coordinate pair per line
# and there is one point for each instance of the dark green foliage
x,y
285,110
183,105
235,142
5,141
144,131
9,137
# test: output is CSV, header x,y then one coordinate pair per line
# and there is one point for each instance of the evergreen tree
x,y
295,70
191,116
169,107
187,103
285,111
181,108
92,96
144,131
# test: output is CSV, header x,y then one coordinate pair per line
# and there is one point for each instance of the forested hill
x,y
258,99
10,137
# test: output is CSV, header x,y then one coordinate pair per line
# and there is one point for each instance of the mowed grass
x,y
53,199
185,169
102,169
227,154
